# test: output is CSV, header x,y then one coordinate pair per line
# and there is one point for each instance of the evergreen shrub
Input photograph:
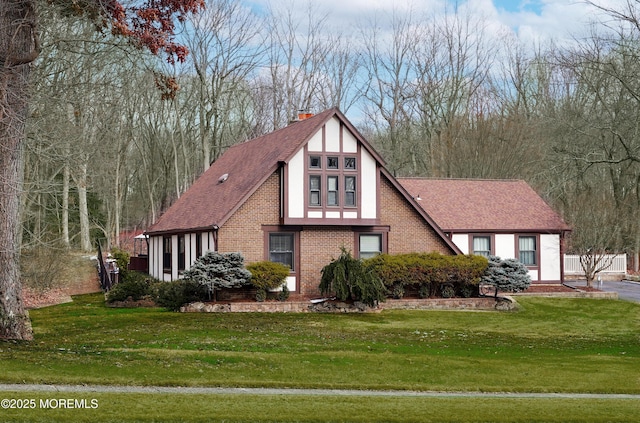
x,y
219,270
429,272
122,259
268,274
134,285
175,294
348,279
508,275
283,295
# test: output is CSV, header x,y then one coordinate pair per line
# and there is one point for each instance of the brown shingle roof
x,y
467,205
208,202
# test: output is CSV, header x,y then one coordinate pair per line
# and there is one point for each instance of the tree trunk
x,y
65,206
18,48
85,239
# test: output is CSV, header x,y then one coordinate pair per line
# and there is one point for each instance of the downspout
x,y
563,236
215,238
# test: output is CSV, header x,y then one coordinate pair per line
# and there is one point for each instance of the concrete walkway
x,y
627,290
300,392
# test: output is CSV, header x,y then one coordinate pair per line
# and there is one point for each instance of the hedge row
x,y
431,274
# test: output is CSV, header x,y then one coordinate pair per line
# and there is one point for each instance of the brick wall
x,y
409,232
318,246
243,231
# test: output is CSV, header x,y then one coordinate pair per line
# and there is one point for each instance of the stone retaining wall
x,y
485,303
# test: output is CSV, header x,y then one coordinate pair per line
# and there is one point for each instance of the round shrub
x,y
283,295
424,291
507,275
448,291
261,295
135,286
268,274
175,294
219,270
397,291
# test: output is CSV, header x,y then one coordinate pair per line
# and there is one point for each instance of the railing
x,y
618,264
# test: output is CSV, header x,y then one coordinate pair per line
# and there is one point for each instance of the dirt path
x,y
300,392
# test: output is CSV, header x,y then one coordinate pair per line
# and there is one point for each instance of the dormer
x,y
332,180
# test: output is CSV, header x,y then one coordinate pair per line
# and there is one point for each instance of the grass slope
x,y
552,345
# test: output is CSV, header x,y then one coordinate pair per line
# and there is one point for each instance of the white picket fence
x,y
618,264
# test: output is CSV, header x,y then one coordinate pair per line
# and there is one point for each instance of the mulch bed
x,y
538,289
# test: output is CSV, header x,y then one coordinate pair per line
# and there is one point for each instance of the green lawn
x,y
550,345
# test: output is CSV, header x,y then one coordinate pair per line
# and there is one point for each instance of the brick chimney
x,y
304,114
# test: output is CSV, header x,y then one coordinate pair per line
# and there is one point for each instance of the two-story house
x,y
296,196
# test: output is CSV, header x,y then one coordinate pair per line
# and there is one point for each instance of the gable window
x,y
350,191
166,252
281,248
350,163
332,186
370,245
332,190
315,162
527,250
482,245
314,190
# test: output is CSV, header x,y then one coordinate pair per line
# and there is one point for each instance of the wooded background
x,y
112,143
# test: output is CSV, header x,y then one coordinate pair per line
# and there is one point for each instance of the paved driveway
x,y
626,290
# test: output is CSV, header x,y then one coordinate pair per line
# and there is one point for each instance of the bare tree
x,y
19,47
390,72
225,42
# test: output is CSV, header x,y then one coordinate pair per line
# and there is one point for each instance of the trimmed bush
x,y
349,279
448,290
424,291
428,273
175,294
268,274
283,295
261,295
507,275
135,285
397,291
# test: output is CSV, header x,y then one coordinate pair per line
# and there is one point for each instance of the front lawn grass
x,y
293,408
550,345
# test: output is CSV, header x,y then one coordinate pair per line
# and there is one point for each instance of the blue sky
x,y
530,20
532,6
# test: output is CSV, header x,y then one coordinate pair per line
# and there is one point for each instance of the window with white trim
x,y
350,191
527,251
332,190
315,192
281,248
370,245
482,245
